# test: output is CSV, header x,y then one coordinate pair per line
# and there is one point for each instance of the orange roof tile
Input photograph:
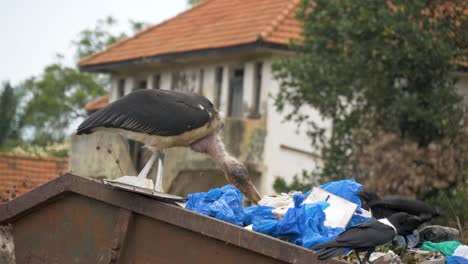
x,y
97,103
20,174
211,24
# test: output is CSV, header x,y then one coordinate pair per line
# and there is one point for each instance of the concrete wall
x,y
100,155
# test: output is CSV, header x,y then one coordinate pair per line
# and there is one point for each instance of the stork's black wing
x,y
154,112
366,235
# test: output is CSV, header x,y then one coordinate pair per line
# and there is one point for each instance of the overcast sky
x,y
33,31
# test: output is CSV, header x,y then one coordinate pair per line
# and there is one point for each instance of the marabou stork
x,y
162,119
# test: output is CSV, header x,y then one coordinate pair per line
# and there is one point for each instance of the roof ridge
x,y
30,157
149,29
271,27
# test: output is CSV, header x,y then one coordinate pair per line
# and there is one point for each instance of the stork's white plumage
x,y
163,119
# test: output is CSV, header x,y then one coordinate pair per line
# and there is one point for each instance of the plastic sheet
x,y
456,260
257,213
224,204
437,233
447,248
302,224
346,189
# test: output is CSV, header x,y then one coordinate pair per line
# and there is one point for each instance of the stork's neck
x,y
214,147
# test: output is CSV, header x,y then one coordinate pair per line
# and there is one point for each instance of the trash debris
x,y
447,247
421,256
340,211
437,233
456,260
224,204
461,251
283,199
385,258
302,225
257,213
319,216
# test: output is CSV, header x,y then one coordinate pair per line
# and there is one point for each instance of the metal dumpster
x,y
79,220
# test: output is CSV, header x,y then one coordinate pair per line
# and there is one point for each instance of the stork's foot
x,y
134,181
158,188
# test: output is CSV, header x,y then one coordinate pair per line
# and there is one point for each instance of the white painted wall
x,y
281,161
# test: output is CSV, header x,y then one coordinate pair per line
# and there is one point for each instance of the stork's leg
x,y
158,185
144,172
141,180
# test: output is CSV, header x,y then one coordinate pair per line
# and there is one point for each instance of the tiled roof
x,y
20,174
211,24
97,103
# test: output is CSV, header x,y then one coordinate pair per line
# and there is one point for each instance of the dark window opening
x,y
200,81
236,93
218,86
141,85
121,88
157,81
255,113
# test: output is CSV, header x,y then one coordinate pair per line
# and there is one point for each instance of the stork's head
x,y
238,175
235,172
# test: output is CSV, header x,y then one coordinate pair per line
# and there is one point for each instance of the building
x,y
224,50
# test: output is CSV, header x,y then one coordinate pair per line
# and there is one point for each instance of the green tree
x,y
9,100
103,35
366,64
56,99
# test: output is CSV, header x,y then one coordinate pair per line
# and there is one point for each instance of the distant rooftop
x,y
20,174
211,24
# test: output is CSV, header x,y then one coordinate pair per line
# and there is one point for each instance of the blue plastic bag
x,y
346,189
201,202
257,213
315,231
357,219
456,260
224,204
302,224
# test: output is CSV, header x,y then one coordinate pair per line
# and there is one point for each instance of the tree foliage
x,y
9,100
54,99
366,64
102,35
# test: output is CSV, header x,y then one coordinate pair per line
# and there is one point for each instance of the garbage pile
x,y
319,216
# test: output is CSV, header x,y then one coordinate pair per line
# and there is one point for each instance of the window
x,y
200,81
218,86
255,113
141,85
157,81
236,93
121,88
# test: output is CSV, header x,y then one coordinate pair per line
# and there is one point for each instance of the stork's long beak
x,y
238,175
